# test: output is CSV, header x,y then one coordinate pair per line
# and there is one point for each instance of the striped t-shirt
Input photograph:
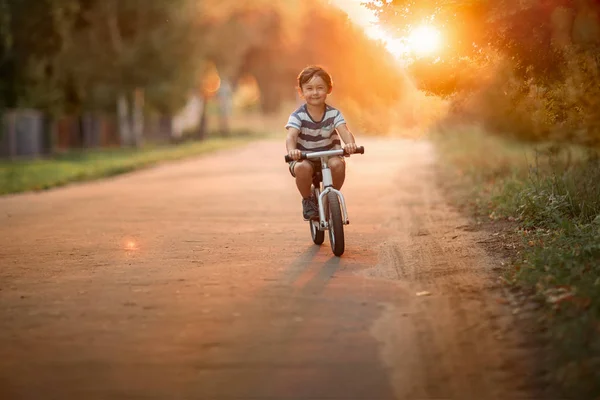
x,y
317,135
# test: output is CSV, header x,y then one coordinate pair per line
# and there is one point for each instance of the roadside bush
x,y
552,193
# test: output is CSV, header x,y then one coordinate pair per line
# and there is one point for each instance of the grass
x,y
552,194
77,166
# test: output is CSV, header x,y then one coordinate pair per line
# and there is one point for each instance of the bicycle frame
x,y
327,187
333,215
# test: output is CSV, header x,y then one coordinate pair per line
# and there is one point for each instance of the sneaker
x,y
309,208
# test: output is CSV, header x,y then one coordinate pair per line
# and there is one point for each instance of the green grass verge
x,y
76,166
552,193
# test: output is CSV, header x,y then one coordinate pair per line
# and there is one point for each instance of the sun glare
x,y
395,46
130,245
424,40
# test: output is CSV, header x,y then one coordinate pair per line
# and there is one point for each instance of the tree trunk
x,y
224,97
201,130
124,121
138,117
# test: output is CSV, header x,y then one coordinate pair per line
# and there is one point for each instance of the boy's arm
x,y
290,143
347,137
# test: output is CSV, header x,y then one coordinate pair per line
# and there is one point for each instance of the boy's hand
x,y
295,154
350,148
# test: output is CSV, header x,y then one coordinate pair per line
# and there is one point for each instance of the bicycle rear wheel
x,y
318,237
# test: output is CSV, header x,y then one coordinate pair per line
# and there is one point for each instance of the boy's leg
x,y
337,165
303,172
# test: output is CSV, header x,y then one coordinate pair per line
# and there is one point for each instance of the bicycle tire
x,y
336,225
318,236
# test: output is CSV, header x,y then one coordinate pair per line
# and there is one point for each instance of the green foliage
x,y
71,56
563,266
63,56
77,166
472,28
553,195
529,70
32,36
133,45
445,78
561,192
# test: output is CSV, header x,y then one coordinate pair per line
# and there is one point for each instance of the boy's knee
x,y
337,165
303,169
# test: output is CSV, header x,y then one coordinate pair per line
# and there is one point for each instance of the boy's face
x,y
315,91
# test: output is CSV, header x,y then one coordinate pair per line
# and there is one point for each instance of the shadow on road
x,y
319,281
309,273
300,265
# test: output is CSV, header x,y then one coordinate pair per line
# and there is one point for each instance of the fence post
x,y
8,145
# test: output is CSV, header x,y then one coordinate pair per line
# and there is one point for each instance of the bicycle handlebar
x,y
317,154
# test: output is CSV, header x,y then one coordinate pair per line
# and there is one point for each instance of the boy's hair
x,y
309,72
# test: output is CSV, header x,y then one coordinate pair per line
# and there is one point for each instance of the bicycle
x,y
333,214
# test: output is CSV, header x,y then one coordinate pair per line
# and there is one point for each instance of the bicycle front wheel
x,y
336,226
318,236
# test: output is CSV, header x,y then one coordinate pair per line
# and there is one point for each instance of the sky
x,y
366,18
359,14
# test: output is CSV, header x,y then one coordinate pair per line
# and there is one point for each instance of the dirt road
x,y
198,280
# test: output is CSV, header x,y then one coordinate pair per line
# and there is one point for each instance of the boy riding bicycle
x,y
316,126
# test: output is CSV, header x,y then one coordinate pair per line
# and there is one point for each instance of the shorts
x,y
316,164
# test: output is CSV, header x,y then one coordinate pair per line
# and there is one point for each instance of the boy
x,y
316,126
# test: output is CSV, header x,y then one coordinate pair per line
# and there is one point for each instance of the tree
x,y
142,52
71,56
68,57
474,32
526,67
33,34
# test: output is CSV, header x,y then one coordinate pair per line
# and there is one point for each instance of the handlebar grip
x,y
302,157
359,150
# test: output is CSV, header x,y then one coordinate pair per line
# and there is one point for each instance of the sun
x,y
424,40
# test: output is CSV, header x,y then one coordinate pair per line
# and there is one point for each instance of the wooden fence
x,y
31,134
